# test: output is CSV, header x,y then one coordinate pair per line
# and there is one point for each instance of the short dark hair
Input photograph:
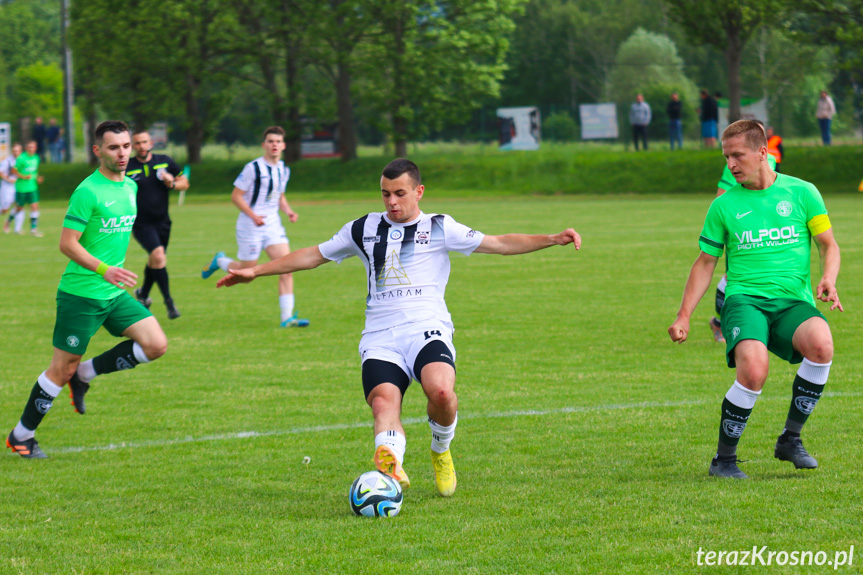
x,y
751,130
277,130
401,166
113,126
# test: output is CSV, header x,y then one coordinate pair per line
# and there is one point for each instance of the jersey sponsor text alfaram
x,y
407,265
263,184
104,212
766,235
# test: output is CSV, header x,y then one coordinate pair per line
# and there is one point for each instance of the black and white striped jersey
x,y
407,265
263,185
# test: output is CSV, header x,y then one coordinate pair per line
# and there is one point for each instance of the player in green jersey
x,y
765,225
726,182
27,188
95,237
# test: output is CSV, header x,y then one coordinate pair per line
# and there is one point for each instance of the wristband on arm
x,y
102,268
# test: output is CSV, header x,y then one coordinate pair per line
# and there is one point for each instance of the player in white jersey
x,y
7,186
259,193
408,332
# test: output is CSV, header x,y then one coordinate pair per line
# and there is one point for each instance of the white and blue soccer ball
x,y
374,494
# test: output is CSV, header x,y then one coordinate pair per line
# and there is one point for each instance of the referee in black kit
x,y
156,175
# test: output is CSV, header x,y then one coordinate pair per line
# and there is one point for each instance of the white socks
x,y
742,397
223,262
395,441
442,436
286,305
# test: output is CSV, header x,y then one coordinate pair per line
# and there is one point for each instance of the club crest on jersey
x,y
72,341
422,237
396,235
735,332
784,209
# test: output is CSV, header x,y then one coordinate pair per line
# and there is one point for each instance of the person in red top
x,y
774,148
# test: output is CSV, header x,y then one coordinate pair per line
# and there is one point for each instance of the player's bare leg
x,y
438,381
813,340
22,439
752,363
288,316
385,400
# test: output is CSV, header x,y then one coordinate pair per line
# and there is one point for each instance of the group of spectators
x,y
50,137
640,116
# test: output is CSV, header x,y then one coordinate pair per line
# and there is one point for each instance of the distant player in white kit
x,y
259,193
408,333
7,186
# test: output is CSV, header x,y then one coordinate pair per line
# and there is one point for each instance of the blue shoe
x,y
294,321
214,265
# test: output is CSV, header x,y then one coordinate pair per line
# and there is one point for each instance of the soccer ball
x,y
374,494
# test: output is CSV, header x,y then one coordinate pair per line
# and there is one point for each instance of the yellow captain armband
x,y
819,224
102,268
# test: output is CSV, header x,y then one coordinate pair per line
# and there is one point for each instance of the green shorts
x,y
79,318
770,321
24,198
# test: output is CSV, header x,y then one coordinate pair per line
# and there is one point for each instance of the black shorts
x,y
152,235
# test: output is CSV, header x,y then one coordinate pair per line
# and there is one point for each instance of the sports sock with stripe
x,y
40,401
442,435
395,441
736,409
124,355
805,392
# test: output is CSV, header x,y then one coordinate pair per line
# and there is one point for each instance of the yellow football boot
x,y
444,473
386,462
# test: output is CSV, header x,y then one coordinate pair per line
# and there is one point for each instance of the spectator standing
x,y
39,133
675,127
639,118
709,119
825,112
52,135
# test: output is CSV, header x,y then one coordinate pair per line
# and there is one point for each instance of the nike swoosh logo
x,y
739,215
109,204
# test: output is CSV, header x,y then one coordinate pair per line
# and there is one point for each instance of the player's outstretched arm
x,y
70,245
699,280
830,259
514,244
304,259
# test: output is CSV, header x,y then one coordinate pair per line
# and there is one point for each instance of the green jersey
x,y
27,165
766,235
727,181
103,211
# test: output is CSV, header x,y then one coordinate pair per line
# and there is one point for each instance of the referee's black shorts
x,y
151,235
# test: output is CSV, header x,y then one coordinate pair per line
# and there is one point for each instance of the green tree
x,y
434,62
727,26
563,51
649,64
38,90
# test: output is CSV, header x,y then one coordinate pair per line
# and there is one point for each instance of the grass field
x,y
584,434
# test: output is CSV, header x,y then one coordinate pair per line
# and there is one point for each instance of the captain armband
x,y
819,224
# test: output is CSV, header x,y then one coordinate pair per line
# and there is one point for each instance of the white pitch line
x,y
407,421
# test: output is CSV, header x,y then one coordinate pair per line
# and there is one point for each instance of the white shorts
x,y
7,197
401,344
252,239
